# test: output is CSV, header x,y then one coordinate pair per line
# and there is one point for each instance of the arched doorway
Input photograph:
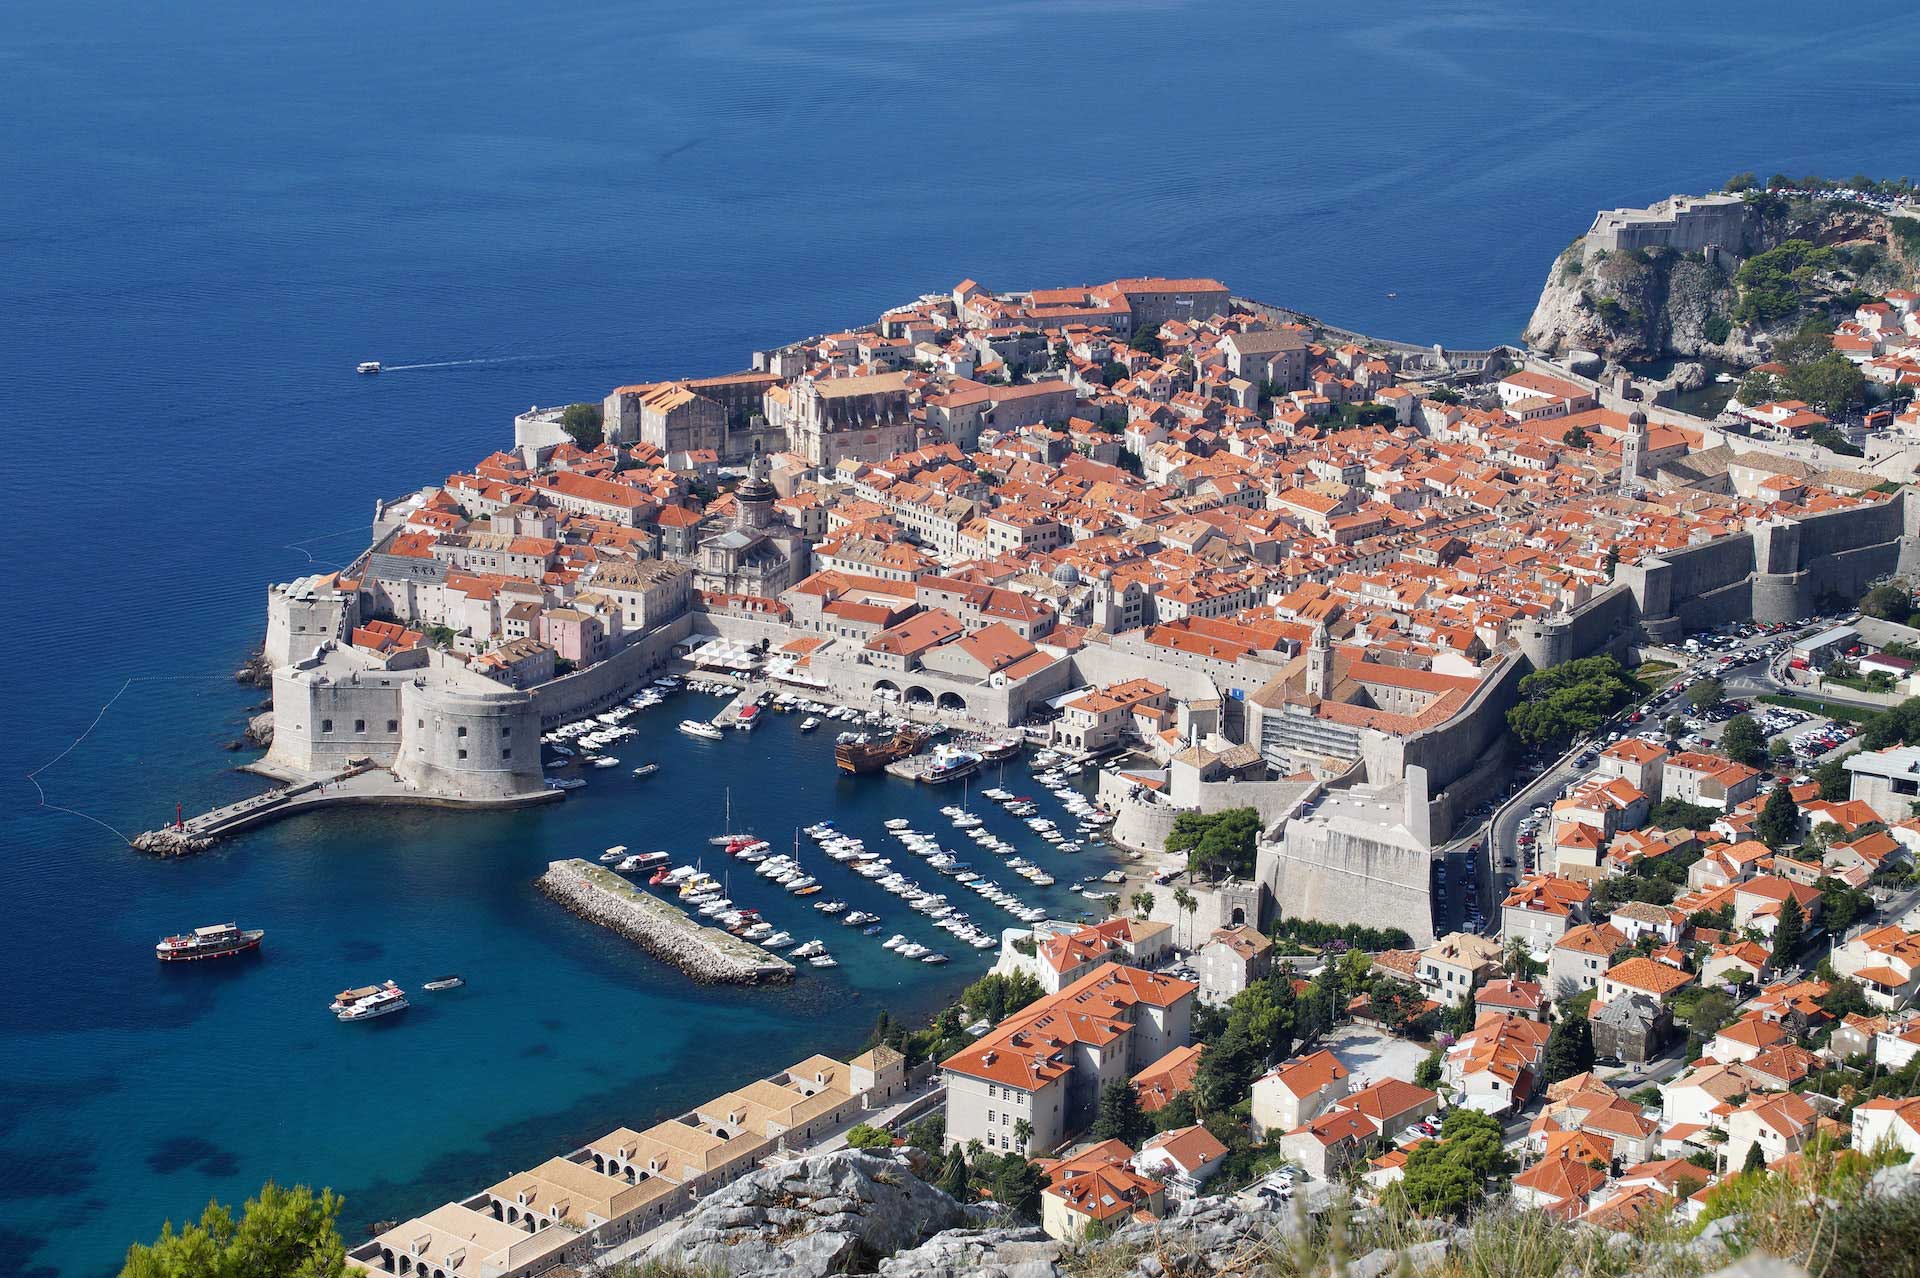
x,y
918,696
952,701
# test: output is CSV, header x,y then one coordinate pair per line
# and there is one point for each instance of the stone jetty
x,y
663,929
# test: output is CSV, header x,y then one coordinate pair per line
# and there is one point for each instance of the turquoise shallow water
x,y
210,211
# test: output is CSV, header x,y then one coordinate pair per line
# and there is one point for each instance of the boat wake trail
x,y
33,777
301,545
461,363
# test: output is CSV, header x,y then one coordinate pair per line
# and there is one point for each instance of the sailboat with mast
x,y
727,824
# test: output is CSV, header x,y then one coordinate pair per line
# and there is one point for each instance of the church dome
x,y
1067,575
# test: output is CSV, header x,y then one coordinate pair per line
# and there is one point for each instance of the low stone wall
x,y
663,930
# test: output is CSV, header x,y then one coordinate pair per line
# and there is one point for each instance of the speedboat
x,y
831,907
367,366
824,960
777,940
646,769
893,942
445,983
809,723
613,854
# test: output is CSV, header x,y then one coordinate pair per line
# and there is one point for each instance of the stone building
x,y
828,419
760,554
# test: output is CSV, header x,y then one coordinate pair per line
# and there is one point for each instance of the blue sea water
x,y
210,210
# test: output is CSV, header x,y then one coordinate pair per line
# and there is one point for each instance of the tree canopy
x,y
1120,1116
1448,1177
1568,700
995,997
1569,1049
864,1136
1887,602
1743,742
1218,844
283,1233
1705,694
583,423
1776,283
1779,823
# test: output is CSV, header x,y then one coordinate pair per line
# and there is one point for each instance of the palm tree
x,y
1143,903
1022,1135
1183,899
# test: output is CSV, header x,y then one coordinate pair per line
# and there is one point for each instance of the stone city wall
x,y
1338,876
606,682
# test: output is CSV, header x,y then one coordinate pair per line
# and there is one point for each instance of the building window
x,y
463,754
506,754
326,725
393,725
359,725
989,1117
459,732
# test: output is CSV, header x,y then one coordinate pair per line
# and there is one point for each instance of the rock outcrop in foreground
x,y
854,1212
838,1213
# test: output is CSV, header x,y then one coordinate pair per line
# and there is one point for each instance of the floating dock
x,y
659,927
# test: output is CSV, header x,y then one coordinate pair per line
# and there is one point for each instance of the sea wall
x,y
665,931
600,685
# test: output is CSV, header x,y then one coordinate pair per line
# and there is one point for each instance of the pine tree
x,y
1787,932
1756,1159
1779,823
954,1176
1120,1117
1569,1049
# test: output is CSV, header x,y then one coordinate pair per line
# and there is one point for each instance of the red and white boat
x,y
216,940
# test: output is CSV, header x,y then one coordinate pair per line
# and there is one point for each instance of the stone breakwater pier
x,y
664,930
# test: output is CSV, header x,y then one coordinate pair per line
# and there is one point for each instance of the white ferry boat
x,y
701,728
367,366
368,1001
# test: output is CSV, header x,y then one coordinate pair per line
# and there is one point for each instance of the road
x,y
1493,847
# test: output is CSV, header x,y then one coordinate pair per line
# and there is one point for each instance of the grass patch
x,y
1828,709
1653,668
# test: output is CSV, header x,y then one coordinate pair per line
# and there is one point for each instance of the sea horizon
x,y
219,209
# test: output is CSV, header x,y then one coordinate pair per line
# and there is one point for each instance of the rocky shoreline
x,y
706,954
169,842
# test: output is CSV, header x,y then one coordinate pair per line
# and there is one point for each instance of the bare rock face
x,y
838,1213
260,730
979,1253
1634,306
171,842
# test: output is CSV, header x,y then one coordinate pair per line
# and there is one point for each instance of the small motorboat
x,y
367,366
824,960
646,769
446,983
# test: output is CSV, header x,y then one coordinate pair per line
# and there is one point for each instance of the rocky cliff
x,y
853,1212
1638,305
